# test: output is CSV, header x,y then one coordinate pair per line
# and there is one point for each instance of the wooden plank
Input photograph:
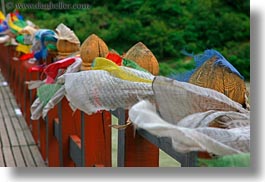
x,y
11,126
19,132
0,139
11,109
26,131
3,134
27,156
165,144
7,93
29,138
120,114
59,134
22,122
95,135
3,110
56,129
2,163
138,150
34,124
11,104
8,157
18,83
18,157
16,125
67,129
4,93
35,129
8,89
53,149
13,101
116,112
1,88
27,105
42,138
11,132
75,150
15,132
135,150
1,96
37,157
47,139
82,142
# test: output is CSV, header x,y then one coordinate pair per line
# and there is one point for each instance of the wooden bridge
x,y
64,138
18,148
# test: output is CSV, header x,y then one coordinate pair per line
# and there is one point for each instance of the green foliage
x,y
164,26
235,160
238,55
170,67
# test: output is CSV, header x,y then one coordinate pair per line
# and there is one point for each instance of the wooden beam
x,y
75,150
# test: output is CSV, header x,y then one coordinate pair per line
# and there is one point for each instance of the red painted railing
x,y
91,133
77,139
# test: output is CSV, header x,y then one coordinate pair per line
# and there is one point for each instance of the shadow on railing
x,y
68,139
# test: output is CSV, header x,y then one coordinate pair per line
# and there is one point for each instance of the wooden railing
x,y
68,139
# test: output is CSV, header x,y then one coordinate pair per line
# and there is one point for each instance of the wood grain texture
x,y
17,147
219,78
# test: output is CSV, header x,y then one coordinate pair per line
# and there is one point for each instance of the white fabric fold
x,y
186,139
185,113
94,90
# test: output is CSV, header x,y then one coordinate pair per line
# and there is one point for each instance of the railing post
x,y
83,162
47,140
95,137
121,138
42,137
66,130
133,149
52,145
60,138
34,124
16,81
138,150
165,144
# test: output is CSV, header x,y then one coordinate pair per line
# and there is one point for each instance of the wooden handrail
x,y
165,144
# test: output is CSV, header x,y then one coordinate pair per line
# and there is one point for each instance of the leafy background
x,y
165,26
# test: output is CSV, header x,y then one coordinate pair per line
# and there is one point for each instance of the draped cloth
x,y
166,108
40,106
94,90
107,88
184,112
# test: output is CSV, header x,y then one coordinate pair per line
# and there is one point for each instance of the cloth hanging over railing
x,y
41,107
184,113
94,90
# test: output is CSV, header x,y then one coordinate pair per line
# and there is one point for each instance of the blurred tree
x,y
165,26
